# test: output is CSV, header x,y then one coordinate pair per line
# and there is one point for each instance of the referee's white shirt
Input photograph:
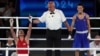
x,y
53,21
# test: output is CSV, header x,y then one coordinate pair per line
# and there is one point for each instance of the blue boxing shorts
x,y
81,40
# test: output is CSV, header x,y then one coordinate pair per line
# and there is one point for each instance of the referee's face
x,y
51,6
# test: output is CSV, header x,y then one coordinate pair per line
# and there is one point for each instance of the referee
x,y
53,18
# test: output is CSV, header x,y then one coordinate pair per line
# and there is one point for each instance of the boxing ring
x,y
44,49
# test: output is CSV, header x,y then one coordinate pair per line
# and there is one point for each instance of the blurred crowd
x,y
7,9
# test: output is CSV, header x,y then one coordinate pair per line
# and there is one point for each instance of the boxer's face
x,y
21,33
51,6
80,9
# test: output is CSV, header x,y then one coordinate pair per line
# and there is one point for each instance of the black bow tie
x,y
52,13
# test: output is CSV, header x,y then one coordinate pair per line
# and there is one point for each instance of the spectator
x,y
95,44
10,44
8,10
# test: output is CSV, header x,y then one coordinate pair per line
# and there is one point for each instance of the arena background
x,y
37,7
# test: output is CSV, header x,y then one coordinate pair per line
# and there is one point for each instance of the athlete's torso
x,y
81,24
22,44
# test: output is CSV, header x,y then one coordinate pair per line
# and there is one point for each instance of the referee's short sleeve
x,y
43,17
62,16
